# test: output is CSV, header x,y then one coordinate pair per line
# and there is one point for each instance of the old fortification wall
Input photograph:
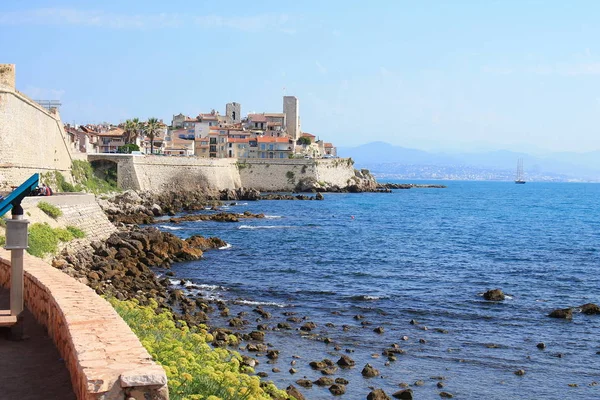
x,y
31,138
104,357
284,174
160,172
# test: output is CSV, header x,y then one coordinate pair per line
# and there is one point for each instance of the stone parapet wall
x,y
104,357
79,210
31,139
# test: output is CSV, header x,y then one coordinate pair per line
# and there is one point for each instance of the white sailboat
x,y
520,178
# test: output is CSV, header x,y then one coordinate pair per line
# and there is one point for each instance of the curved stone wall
x,y
104,357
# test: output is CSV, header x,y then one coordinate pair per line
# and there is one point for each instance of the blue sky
x,y
436,75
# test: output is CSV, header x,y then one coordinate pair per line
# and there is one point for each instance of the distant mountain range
x,y
387,160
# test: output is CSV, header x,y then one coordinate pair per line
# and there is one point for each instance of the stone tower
x,y
7,75
234,111
292,116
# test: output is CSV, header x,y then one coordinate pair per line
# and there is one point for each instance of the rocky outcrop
x,y
121,265
590,309
564,313
494,295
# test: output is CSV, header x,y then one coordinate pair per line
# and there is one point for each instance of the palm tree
x,y
152,129
132,130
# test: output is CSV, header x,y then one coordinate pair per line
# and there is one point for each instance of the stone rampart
x,y
284,174
31,138
104,357
166,173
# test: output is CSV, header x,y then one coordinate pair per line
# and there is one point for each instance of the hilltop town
x,y
208,135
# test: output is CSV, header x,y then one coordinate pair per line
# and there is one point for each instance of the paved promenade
x,y
31,369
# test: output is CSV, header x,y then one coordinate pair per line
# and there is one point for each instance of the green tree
x,y
152,129
304,141
132,130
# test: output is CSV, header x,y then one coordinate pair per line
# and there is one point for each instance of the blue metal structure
x,y
15,197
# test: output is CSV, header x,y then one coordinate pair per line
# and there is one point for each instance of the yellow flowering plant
x,y
195,370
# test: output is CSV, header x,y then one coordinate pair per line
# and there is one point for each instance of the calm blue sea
x,y
423,254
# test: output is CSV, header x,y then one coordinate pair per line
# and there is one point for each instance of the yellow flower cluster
x,y
194,369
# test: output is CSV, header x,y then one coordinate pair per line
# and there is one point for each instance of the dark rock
x,y
341,381
336,389
440,385
419,383
273,354
275,370
293,391
308,326
284,325
520,372
541,346
236,322
564,313
324,381
369,372
304,383
446,395
293,370
590,309
257,335
379,394
413,322
262,374
406,394
494,295
346,362
379,330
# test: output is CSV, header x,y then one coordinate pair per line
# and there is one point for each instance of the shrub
x,y
290,176
42,240
83,174
62,184
76,232
128,148
50,209
194,369
2,240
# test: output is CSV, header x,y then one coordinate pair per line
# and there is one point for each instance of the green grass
x,y
50,209
194,369
76,232
43,239
2,240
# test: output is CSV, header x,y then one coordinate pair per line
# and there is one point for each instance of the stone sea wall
x,y
31,138
285,174
104,357
160,173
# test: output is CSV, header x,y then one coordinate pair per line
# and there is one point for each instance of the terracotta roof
x,y
328,145
305,134
270,139
115,132
273,123
208,116
274,115
257,117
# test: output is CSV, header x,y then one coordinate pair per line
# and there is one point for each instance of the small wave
x,y
272,216
317,292
265,227
227,246
258,303
367,298
171,228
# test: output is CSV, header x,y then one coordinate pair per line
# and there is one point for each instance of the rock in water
x,y
337,390
565,313
406,394
345,362
446,395
590,309
369,372
379,394
494,295
293,391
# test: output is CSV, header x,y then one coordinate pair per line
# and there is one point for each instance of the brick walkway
x,y
31,369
